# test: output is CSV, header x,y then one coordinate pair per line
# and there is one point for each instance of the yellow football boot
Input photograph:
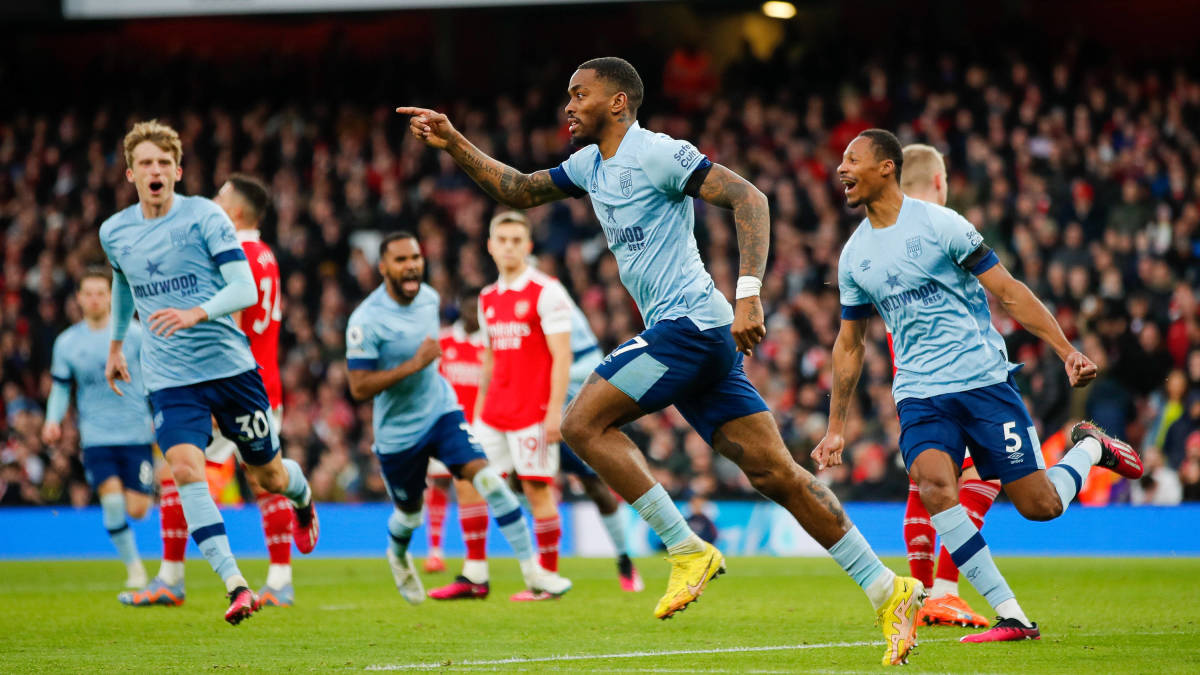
x,y
690,574
898,617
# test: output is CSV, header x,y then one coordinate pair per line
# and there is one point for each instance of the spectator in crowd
x,y
1084,178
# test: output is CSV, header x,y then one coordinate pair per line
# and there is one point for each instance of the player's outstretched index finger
x,y
412,110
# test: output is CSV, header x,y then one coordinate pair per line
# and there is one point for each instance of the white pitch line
x,y
467,664
623,655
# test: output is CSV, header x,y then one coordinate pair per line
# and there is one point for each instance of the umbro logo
x,y
865,265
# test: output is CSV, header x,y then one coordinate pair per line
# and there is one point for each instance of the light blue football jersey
x,y
380,335
585,351
174,261
79,357
919,274
583,340
638,197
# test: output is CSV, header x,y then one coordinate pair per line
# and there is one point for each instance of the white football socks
x,y
171,572
279,576
1009,609
943,587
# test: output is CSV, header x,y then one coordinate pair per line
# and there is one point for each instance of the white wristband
x,y
747,287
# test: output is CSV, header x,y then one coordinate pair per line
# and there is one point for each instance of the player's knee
x,y
186,473
137,508
575,431
774,481
466,472
937,496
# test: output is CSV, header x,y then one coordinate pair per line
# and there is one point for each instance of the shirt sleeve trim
x,y
362,364
854,312
563,182
231,255
979,263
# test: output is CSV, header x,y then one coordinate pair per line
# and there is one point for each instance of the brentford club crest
x,y
521,308
913,247
626,182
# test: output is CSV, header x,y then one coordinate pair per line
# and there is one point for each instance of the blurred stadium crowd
x,y
1085,178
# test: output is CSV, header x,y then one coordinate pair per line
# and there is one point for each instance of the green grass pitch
x,y
768,615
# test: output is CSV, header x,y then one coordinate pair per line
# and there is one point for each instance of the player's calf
x,y
272,477
1035,497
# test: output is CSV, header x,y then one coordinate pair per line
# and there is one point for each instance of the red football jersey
x,y
462,365
260,321
516,318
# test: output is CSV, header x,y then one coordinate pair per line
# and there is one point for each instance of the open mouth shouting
x,y
410,284
156,187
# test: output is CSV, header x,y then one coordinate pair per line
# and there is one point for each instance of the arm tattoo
x,y
751,216
504,183
826,498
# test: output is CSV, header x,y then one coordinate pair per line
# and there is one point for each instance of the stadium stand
x,y
1083,173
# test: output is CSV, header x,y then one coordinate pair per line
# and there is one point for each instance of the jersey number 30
x,y
254,426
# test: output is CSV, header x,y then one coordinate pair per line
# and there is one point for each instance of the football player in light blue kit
x,y
641,184
115,433
178,262
924,268
391,355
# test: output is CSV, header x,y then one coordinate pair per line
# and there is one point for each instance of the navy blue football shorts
x,y
698,371
240,405
992,421
449,440
133,464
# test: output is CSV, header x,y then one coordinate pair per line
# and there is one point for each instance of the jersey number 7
x,y
636,343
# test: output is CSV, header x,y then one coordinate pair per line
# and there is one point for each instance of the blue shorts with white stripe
x,y
698,371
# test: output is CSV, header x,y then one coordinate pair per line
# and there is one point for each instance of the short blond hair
x,y
507,217
166,138
921,163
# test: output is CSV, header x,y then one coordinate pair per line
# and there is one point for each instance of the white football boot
x,y
539,579
407,581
